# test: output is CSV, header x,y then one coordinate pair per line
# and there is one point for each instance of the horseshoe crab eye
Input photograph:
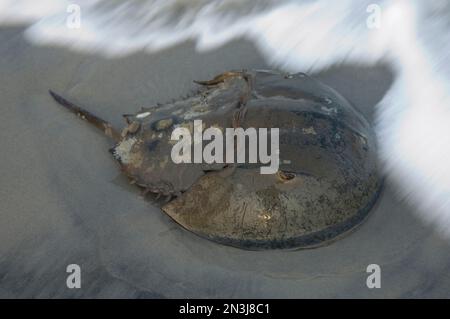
x,y
285,176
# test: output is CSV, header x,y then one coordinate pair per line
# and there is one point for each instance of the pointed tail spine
x,y
103,125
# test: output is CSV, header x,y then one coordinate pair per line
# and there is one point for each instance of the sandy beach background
x,y
63,200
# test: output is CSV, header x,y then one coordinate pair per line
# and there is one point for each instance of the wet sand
x,y
64,201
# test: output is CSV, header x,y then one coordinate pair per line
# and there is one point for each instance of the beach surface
x,y
64,201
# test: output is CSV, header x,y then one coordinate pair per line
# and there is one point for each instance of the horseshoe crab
x,y
326,183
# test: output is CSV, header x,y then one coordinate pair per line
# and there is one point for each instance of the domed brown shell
x,y
327,180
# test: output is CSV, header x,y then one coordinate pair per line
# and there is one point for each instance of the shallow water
x,y
63,201
410,36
